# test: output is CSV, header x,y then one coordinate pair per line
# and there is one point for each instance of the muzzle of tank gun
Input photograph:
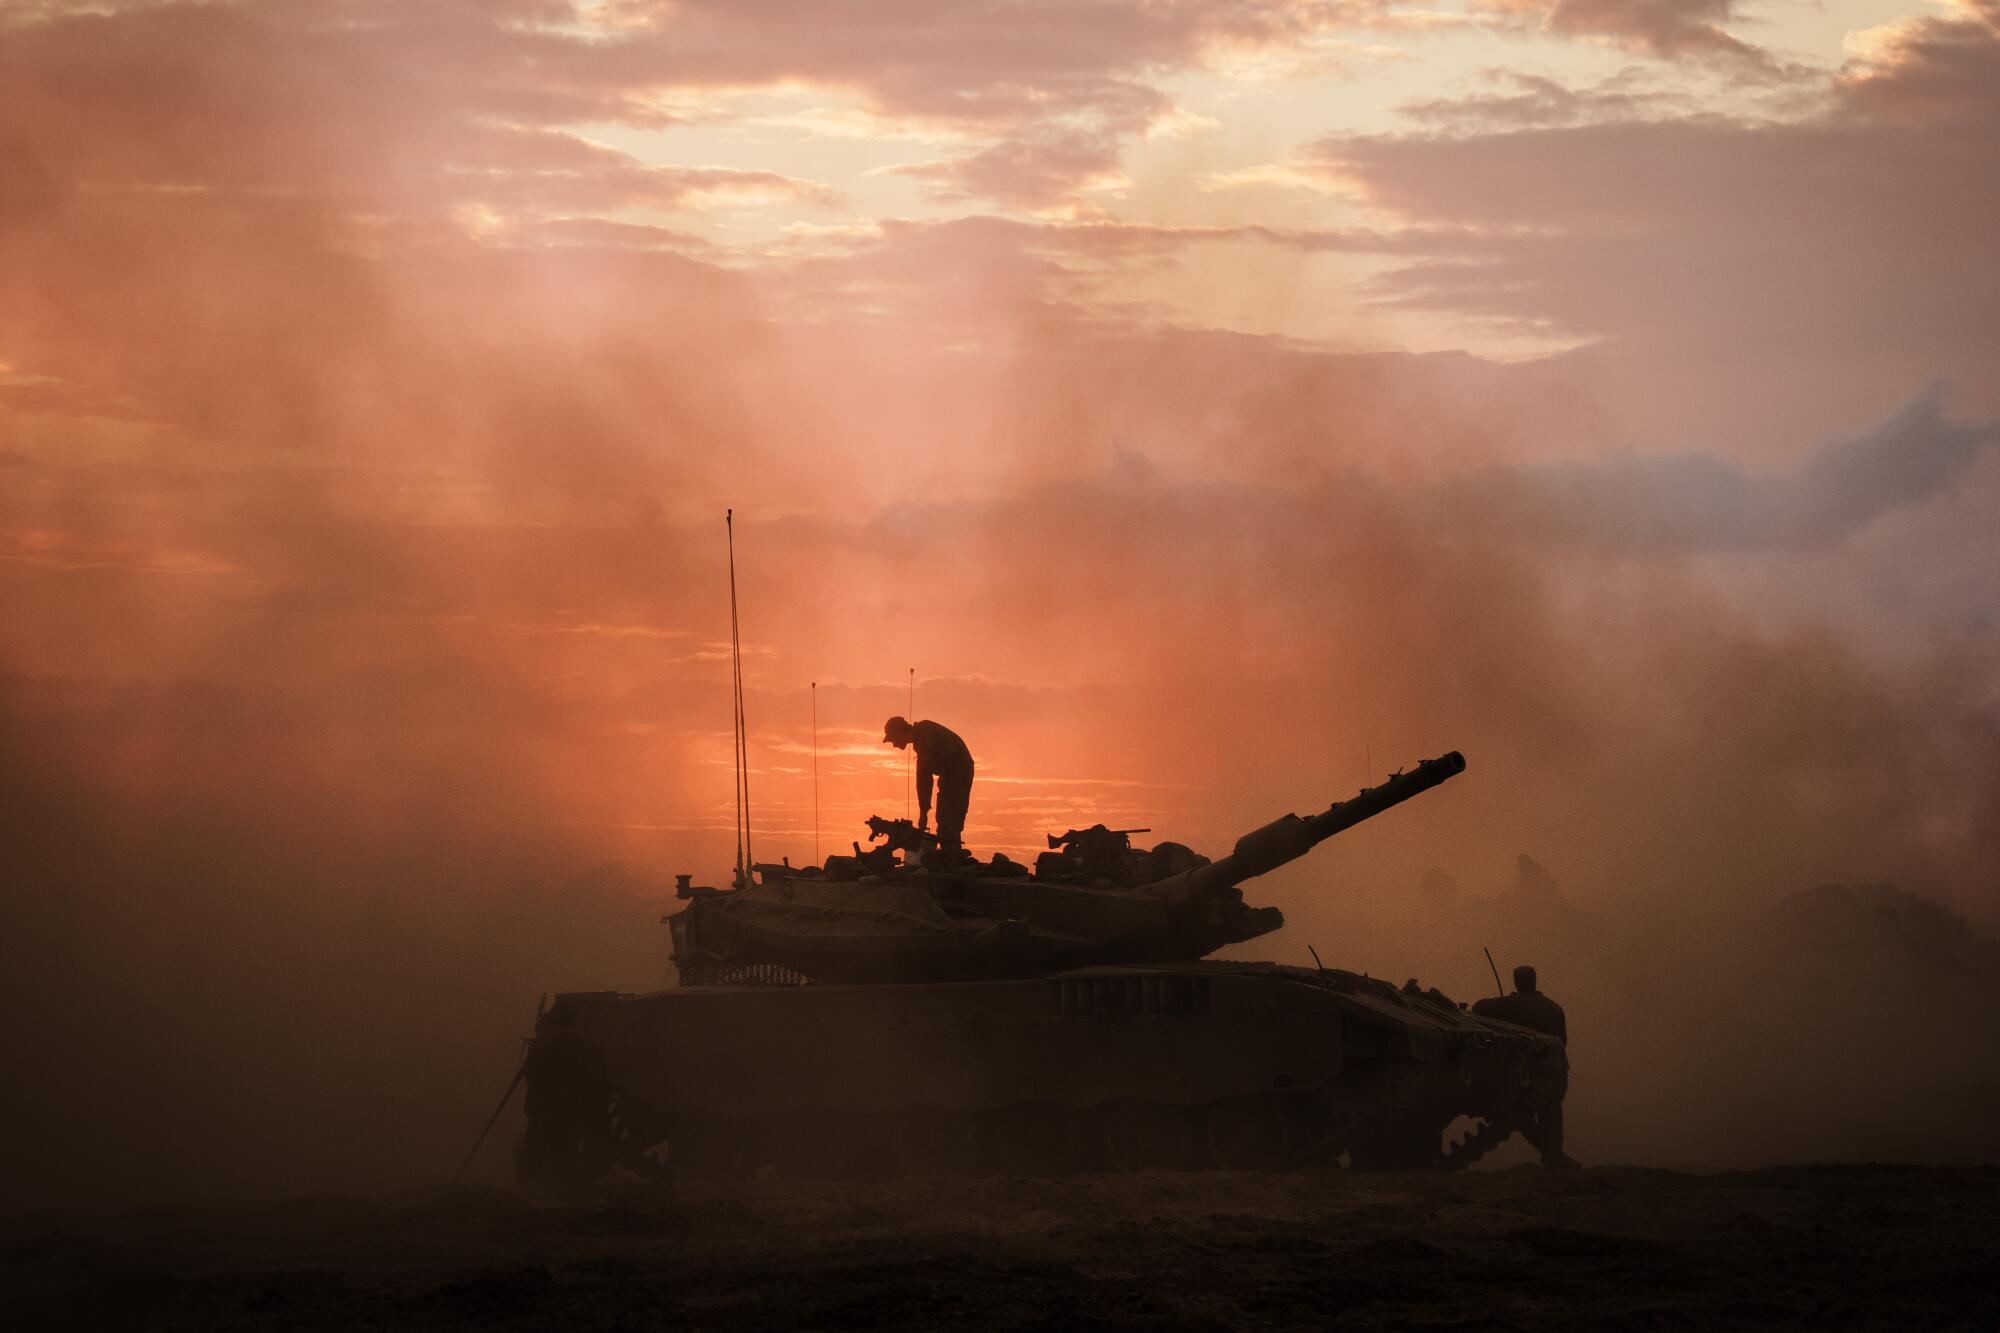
x,y
1287,839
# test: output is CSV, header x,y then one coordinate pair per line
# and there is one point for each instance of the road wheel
x,y
1038,1139
719,1147
640,1136
932,1141
1147,1136
569,1140
1405,1142
833,1145
1254,1133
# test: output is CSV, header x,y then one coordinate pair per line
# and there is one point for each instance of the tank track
x,y
1389,1129
1484,1138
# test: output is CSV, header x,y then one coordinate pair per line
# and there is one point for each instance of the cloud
x,y
1029,175
1705,502
548,173
1670,29
366,109
415,107
601,232
51,550
1740,279
1935,69
1272,175
1536,100
997,62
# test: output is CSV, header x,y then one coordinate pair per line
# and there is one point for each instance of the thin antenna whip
x,y
505,1097
480,1142
735,699
910,712
744,859
1496,971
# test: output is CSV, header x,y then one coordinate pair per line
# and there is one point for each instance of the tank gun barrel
x,y
1289,838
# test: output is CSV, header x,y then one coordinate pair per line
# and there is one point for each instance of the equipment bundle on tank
x,y
901,1009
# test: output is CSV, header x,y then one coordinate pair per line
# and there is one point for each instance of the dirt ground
x,y
1608,1248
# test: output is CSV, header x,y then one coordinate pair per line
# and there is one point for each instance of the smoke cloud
x,y
1706,503
363,602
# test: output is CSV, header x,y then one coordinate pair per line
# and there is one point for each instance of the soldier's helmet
x,y
896,731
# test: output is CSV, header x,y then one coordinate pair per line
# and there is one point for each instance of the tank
x,y
900,1010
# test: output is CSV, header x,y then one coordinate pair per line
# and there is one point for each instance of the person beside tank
x,y
943,756
1528,1007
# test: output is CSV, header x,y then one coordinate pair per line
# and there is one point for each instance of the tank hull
x,y
1236,1065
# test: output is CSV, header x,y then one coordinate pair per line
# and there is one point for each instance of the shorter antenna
x,y
527,1053
1496,970
745,860
1318,964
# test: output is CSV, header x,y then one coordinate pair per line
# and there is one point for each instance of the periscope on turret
x,y
903,1008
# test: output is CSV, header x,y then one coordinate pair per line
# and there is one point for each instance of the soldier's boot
x,y
1544,1133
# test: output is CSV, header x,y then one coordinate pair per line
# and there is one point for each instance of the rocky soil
x,y
1609,1248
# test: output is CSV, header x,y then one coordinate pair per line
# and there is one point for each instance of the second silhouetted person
x,y
1542,1125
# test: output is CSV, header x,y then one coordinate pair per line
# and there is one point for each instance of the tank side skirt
x,y
610,1079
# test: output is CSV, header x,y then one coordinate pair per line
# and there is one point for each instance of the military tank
x,y
900,1009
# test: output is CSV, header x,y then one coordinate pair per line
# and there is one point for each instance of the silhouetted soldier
x,y
1543,1125
940,754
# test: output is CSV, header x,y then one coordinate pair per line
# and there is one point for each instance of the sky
x,y
1205,406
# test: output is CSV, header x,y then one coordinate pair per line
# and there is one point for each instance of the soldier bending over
x,y
940,754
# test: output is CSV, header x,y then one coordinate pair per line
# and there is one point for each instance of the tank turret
x,y
1092,899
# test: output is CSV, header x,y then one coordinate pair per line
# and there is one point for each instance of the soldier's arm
x,y
923,785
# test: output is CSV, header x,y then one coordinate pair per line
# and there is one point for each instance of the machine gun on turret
x,y
1096,833
899,835
1085,855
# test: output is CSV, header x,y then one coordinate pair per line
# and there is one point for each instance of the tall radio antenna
x,y
910,712
815,704
744,861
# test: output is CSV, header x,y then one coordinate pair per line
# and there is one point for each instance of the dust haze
x,y
362,580
287,898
